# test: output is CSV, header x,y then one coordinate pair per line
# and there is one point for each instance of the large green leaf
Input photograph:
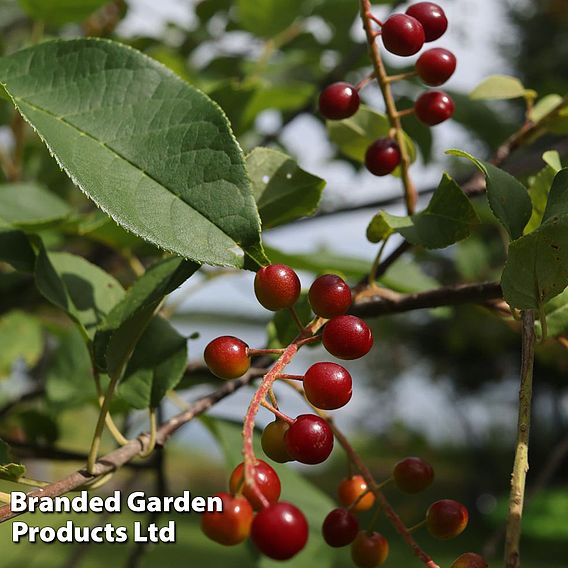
x,y
150,150
20,338
283,191
265,18
9,470
61,11
15,249
447,219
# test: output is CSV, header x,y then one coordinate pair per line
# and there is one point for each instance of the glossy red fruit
x,y
347,337
267,481
470,560
432,18
340,528
434,107
230,526
273,443
329,296
435,66
328,386
369,549
382,156
403,35
413,475
350,489
280,531
446,519
277,287
227,357
309,439
338,101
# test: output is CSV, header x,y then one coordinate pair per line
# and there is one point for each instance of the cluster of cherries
x,y
279,529
402,34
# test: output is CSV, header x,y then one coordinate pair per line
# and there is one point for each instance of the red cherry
x,y
413,475
434,107
470,560
369,549
435,66
309,439
327,385
227,357
339,101
446,519
432,18
266,479
350,489
329,296
403,35
277,287
382,156
347,337
340,528
230,526
280,531
273,443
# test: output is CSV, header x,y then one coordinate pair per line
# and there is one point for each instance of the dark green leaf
x,y
38,426
20,338
557,203
61,11
9,470
15,249
266,18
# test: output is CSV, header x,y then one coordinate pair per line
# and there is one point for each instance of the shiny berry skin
x,y
350,489
470,560
328,385
435,66
232,525
309,439
338,101
432,18
340,528
403,35
267,481
329,296
227,357
434,107
413,475
446,519
369,549
382,156
347,337
280,531
273,443
277,287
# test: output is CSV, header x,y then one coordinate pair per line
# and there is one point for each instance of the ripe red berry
x,y
273,443
280,531
347,337
340,528
329,296
446,519
403,35
434,107
266,479
470,560
309,439
230,526
277,287
435,66
432,18
369,549
327,385
338,101
227,357
350,489
413,475
382,156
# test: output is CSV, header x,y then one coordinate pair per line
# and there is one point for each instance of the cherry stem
x,y
277,412
296,318
307,340
416,526
405,112
365,81
374,519
273,398
372,17
255,352
291,377
401,76
360,497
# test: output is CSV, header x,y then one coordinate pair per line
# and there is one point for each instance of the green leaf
x,y
150,150
543,106
508,197
30,206
156,366
61,11
557,203
15,249
9,470
499,87
556,311
266,18
78,287
447,219
20,338
283,191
